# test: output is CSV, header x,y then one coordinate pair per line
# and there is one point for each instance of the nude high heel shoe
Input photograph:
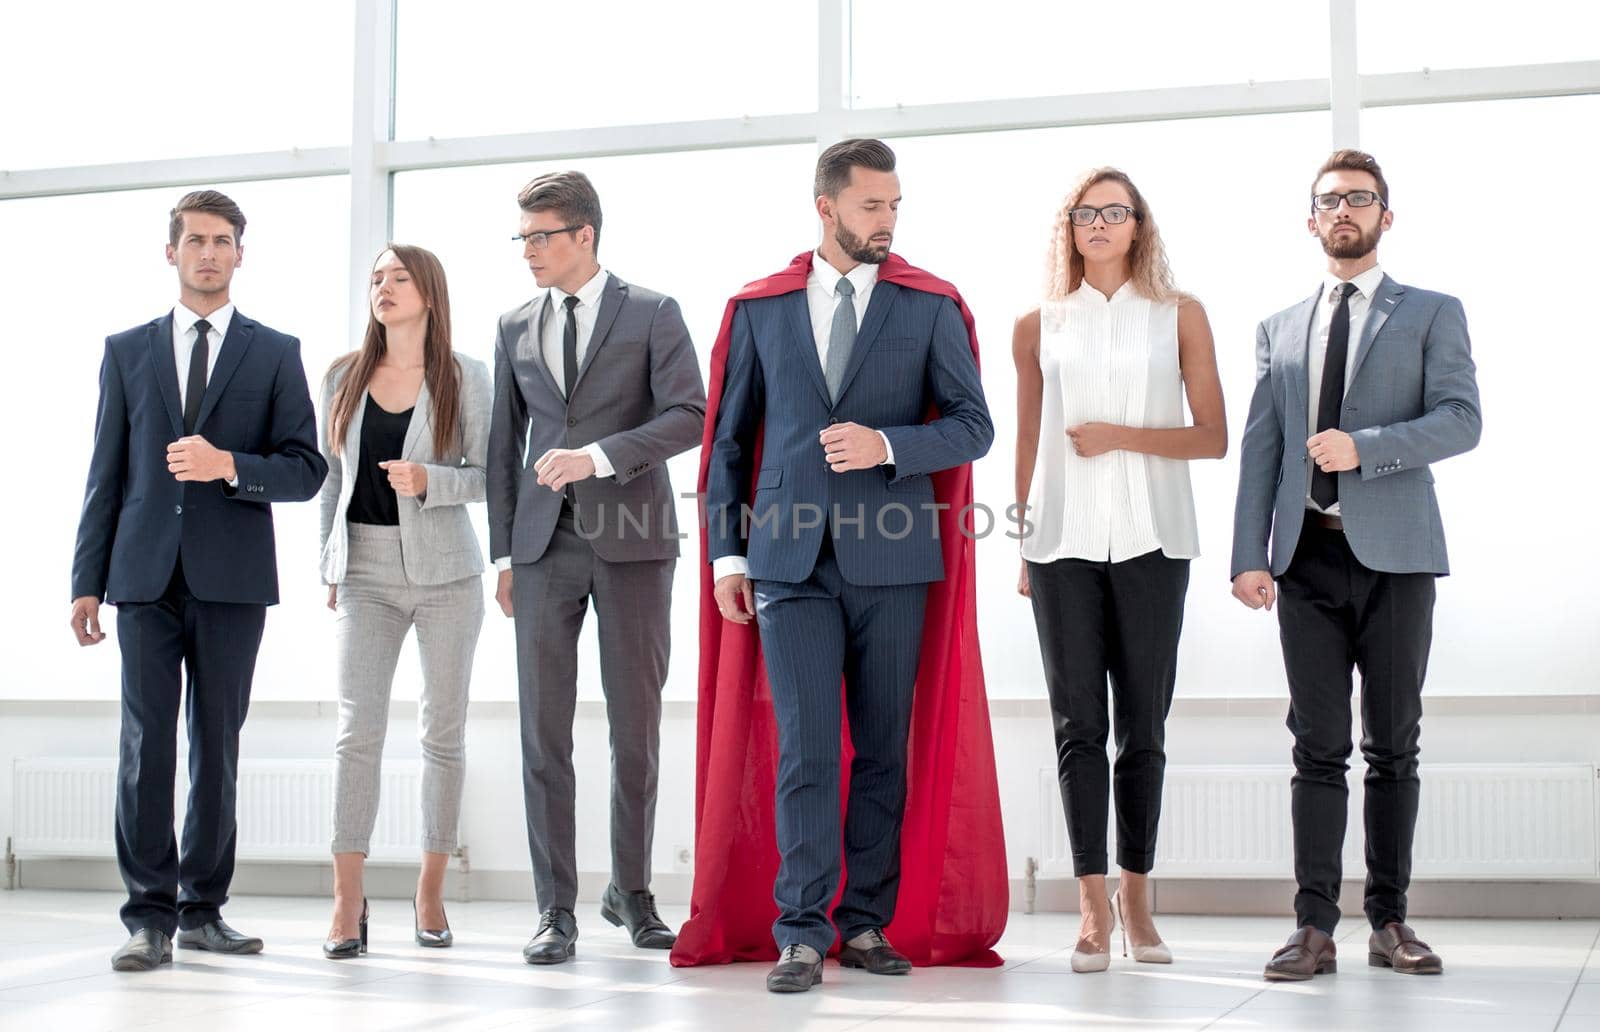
x,y
1157,954
1084,962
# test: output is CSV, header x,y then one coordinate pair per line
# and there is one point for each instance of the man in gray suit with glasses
x,y
596,386
1359,389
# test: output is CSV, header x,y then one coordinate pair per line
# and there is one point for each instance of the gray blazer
x,y
436,536
638,394
1411,399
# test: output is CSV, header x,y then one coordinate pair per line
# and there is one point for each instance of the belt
x,y
1325,521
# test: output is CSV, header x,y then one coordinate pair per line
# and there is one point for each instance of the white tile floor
x,y
55,949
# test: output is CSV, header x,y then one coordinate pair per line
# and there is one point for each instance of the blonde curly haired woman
x,y
1103,449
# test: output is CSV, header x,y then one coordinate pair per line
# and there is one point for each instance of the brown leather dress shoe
x,y
1396,946
1308,952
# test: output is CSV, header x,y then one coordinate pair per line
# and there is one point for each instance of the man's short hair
x,y
212,203
568,194
833,167
1349,159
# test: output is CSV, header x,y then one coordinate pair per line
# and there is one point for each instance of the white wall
x,y
1455,730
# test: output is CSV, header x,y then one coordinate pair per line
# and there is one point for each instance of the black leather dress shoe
x,y
555,941
798,969
637,910
217,937
148,949
878,958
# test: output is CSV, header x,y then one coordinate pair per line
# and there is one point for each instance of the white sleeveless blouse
x,y
1108,361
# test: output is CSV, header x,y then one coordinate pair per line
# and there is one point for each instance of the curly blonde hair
x,y
1152,276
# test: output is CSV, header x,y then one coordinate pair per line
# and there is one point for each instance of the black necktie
x,y
195,389
1324,485
569,344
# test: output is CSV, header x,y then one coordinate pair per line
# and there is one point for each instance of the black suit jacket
x,y
138,519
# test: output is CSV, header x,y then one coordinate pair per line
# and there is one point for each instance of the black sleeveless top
x,y
383,437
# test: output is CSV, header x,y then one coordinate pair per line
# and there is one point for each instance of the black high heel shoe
x,y
344,949
434,938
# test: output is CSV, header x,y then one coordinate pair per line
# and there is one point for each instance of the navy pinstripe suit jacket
x,y
912,352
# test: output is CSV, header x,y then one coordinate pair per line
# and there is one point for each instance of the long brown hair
x,y
1147,258
440,369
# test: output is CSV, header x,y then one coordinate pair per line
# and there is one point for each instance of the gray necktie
x,y
842,338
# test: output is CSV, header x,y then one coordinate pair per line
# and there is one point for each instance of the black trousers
x,y
1121,621
1334,613
813,635
214,644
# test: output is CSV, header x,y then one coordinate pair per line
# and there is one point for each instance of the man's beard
x,y
1358,246
859,249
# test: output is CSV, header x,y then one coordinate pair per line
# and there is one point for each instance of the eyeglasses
x,y
1114,214
1355,198
541,239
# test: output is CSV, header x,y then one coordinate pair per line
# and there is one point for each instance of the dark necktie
x,y
195,389
569,345
1324,485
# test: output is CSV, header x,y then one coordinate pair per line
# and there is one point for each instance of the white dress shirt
x,y
1360,304
184,336
552,329
822,299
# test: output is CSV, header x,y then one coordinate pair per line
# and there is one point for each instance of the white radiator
x,y
1476,821
66,808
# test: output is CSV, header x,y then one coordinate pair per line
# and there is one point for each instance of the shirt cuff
x,y
888,449
234,483
503,563
602,465
727,565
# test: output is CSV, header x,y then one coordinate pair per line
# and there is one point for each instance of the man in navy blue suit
x,y
204,421
833,383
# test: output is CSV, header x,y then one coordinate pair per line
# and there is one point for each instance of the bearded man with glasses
x,y
1359,389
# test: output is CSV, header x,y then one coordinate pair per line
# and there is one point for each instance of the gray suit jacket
x,y
1411,399
638,394
436,536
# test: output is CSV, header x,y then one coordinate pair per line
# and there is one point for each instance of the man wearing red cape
x,y
844,412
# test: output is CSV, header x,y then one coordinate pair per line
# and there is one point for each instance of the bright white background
x,y
1493,203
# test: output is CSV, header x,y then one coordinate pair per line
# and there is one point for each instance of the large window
x,y
501,66
89,83
936,51
1491,206
696,226
978,211
1408,37
732,101
82,267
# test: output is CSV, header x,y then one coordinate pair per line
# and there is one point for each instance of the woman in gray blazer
x,y
405,430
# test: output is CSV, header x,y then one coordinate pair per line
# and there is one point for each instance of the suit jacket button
x,y
177,510
571,421
831,420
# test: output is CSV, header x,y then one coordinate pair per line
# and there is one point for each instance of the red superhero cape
x,y
953,888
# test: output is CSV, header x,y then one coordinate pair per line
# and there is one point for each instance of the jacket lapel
x,y
883,295
351,453
421,419
798,313
611,301
530,348
1384,301
166,367
240,330
1303,323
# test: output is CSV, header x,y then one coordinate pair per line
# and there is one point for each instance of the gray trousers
x,y
631,601
376,607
